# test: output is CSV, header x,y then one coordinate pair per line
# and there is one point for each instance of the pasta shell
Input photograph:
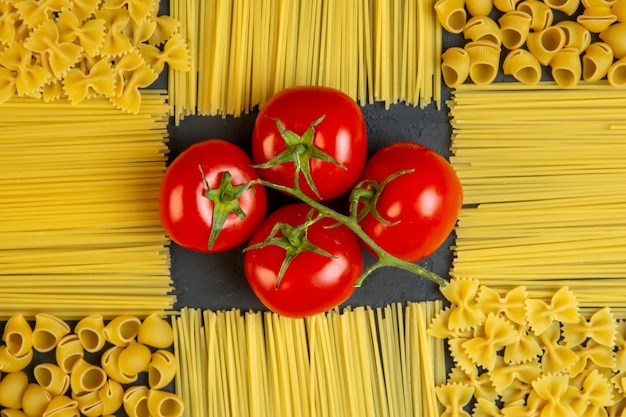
x,y
576,35
11,363
89,403
110,364
52,378
86,377
12,412
455,66
68,352
156,332
90,332
48,331
479,7
35,400
162,369
617,73
62,406
514,28
541,15
484,61
136,401
598,3
596,61
122,329
12,387
546,43
505,6
566,67
451,14
619,10
615,36
134,358
18,335
483,28
597,19
568,7
164,404
523,66
111,396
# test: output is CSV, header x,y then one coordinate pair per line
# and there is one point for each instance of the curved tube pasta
x,y
451,14
162,369
455,66
483,28
48,331
576,35
566,67
615,36
12,387
86,377
90,332
136,401
68,352
484,61
12,412
596,61
52,378
597,19
122,329
10,363
134,358
523,66
156,332
164,404
18,335
479,7
110,364
35,400
505,6
598,3
89,403
514,29
111,395
540,14
619,10
546,43
617,73
568,7
62,406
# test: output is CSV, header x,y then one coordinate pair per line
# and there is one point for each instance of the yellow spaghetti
x,y
79,230
243,52
362,361
543,175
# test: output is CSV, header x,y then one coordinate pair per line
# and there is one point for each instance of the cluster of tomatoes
x,y
309,142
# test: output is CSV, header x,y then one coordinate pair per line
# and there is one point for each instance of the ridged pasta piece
x,y
619,10
89,403
162,369
48,331
111,395
52,378
576,35
597,19
90,332
136,401
18,335
514,28
62,406
523,66
484,61
164,404
615,36
569,7
86,377
617,73
122,329
541,15
134,359
155,332
597,3
455,66
545,43
12,387
68,352
505,6
479,7
483,28
35,400
12,363
110,364
451,14
566,67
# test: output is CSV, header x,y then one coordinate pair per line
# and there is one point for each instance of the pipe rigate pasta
x,y
12,387
617,73
566,67
155,332
48,331
541,15
479,7
110,364
164,404
89,403
122,329
90,332
619,10
576,35
51,377
18,335
136,401
597,19
134,358
86,377
162,369
62,406
455,66
523,66
545,43
615,36
68,352
568,7
12,363
483,28
35,400
514,28
451,14
484,61
505,6
111,396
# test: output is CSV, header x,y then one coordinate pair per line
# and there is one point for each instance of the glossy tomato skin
x,y
341,134
425,202
313,283
187,215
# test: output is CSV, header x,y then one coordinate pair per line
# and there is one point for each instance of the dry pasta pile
x,y
245,51
576,40
515,355
360,362
71,382
543,175
77,49
79,226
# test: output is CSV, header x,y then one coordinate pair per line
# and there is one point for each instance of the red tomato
x,y
338,134
419,208
187,214
312,282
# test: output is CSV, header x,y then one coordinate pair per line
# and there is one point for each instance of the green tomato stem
x,y
385,259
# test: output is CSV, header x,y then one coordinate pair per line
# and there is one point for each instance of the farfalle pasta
x,y
67,49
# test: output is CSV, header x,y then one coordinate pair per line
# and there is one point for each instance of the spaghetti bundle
x,y
243,52
79,229
359,362
543,175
